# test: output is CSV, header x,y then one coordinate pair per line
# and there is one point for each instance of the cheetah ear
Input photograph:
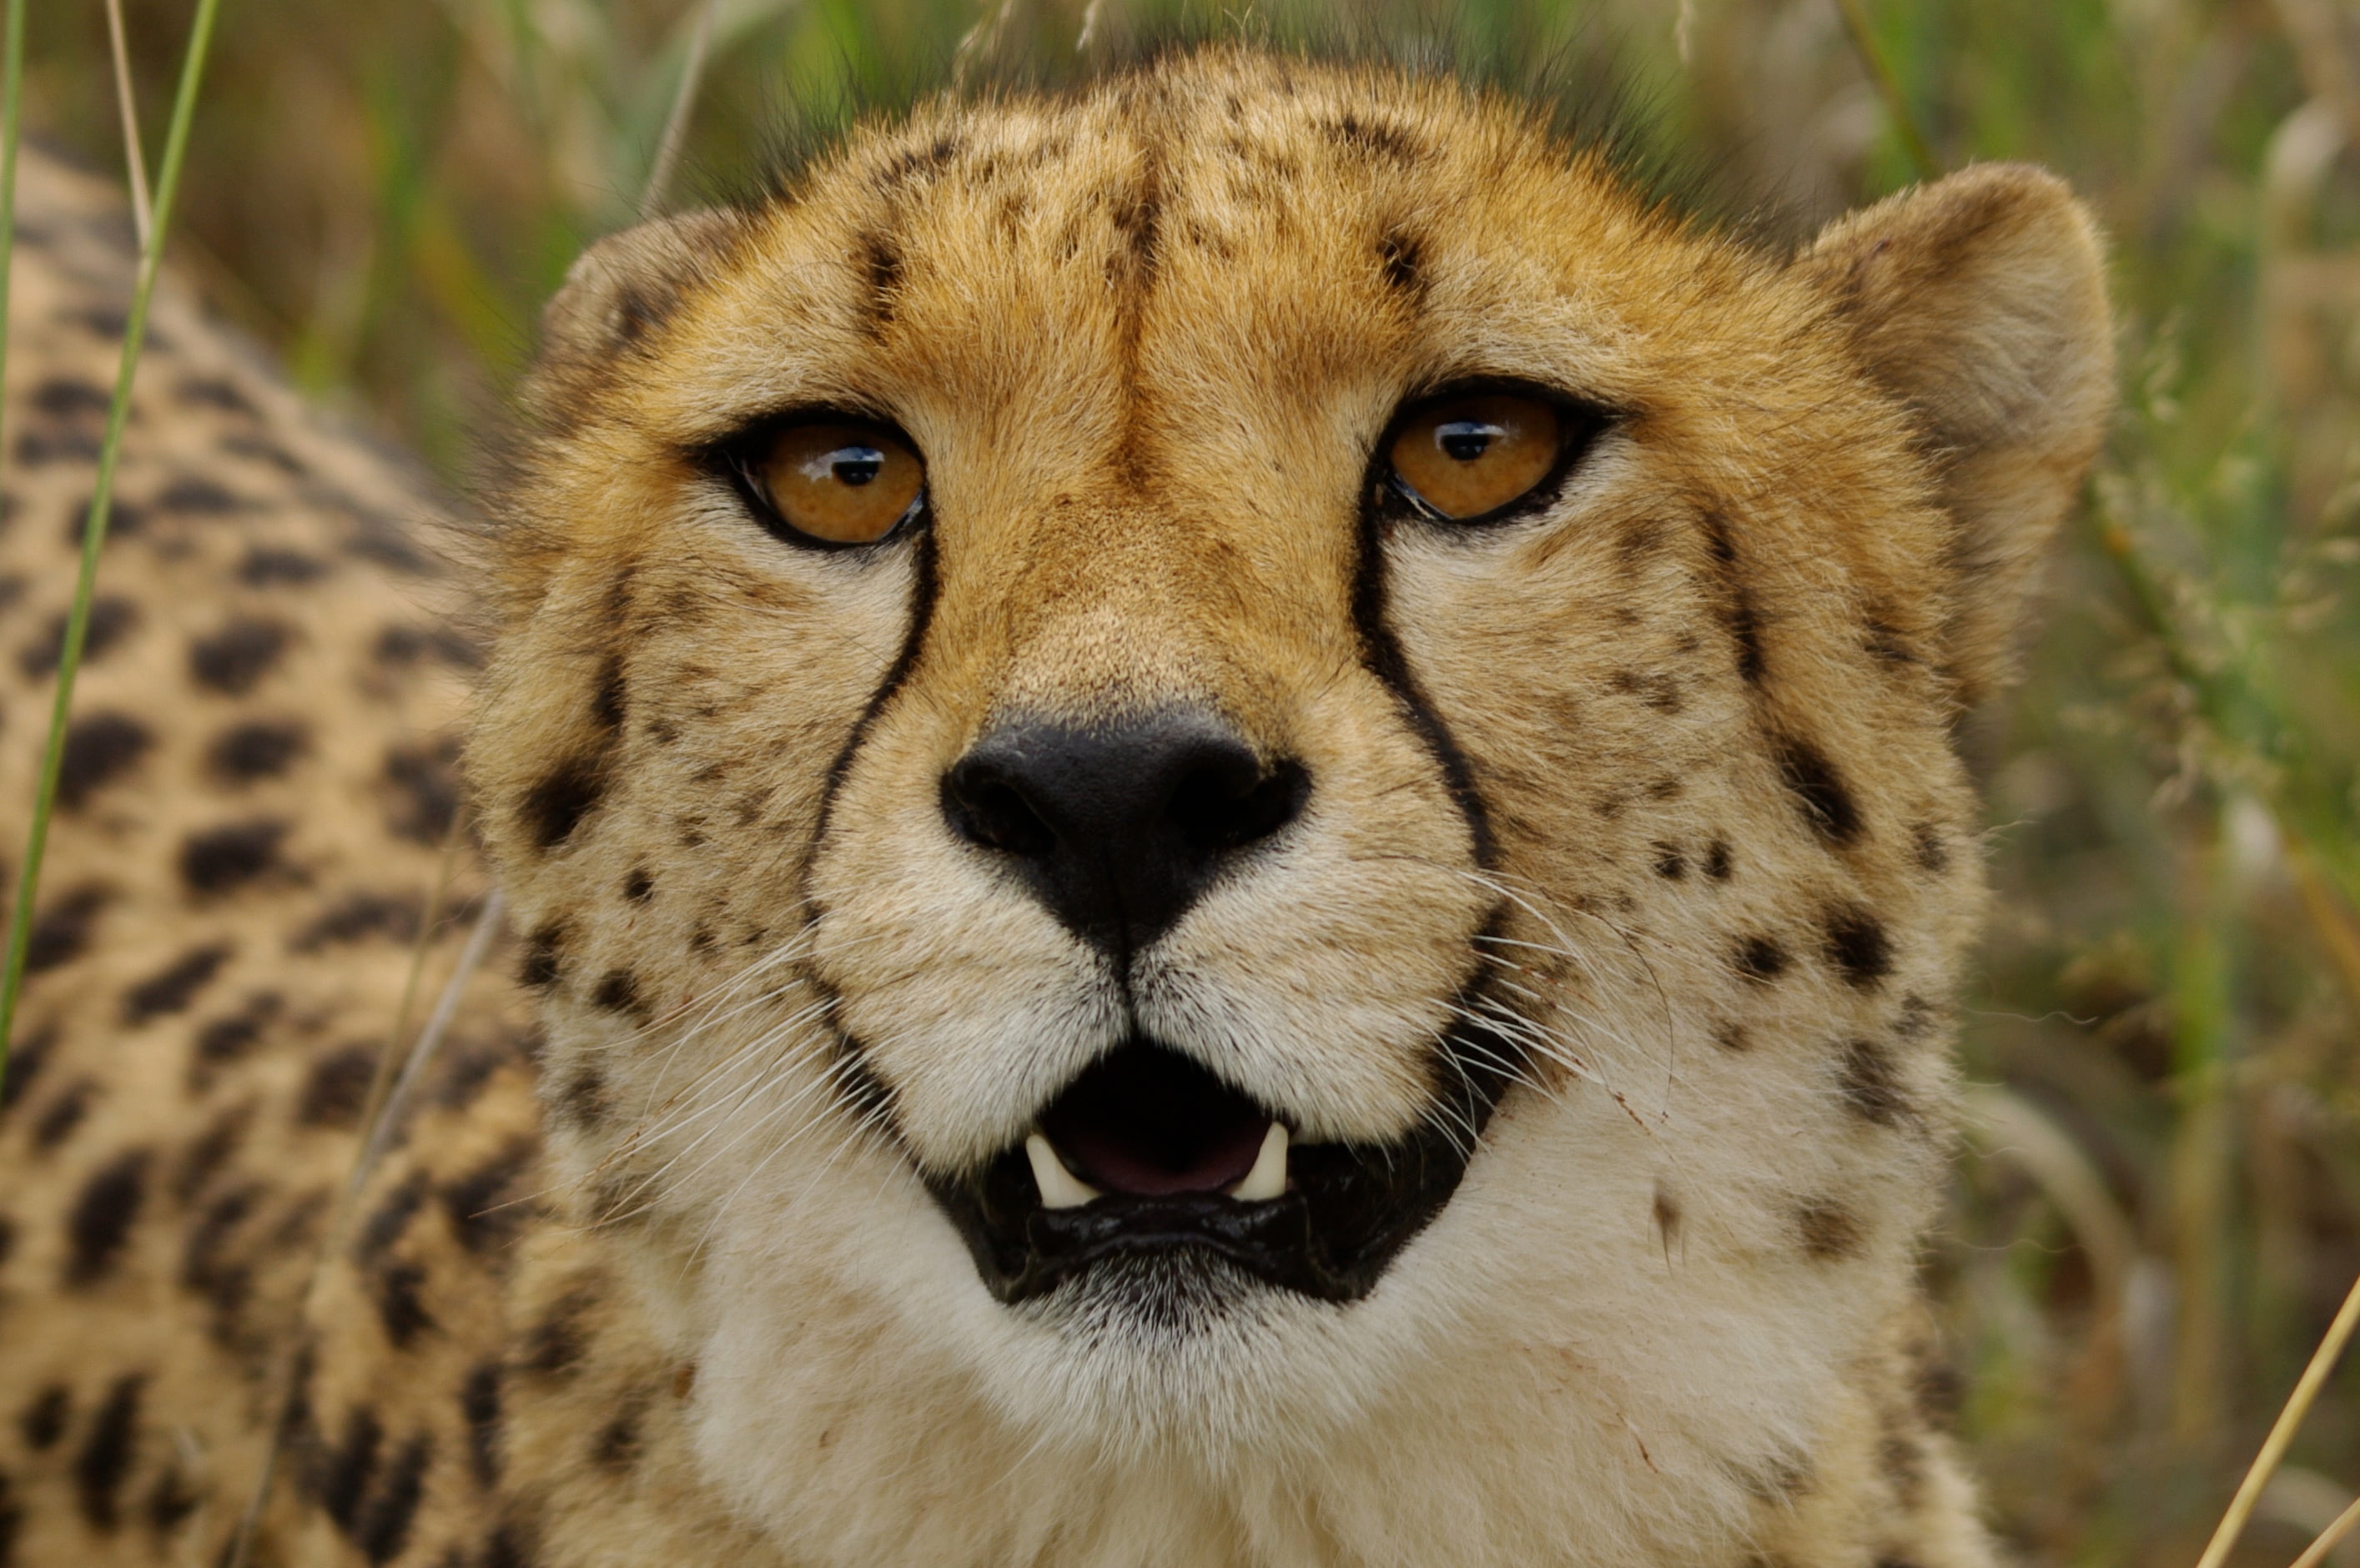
x,y
616,293
1981,301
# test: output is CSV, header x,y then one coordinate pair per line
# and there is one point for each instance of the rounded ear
x,y
1979,301
616,293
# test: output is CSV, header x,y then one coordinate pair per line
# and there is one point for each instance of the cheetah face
x,y
1223,750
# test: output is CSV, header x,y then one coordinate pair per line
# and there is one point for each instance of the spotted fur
x,y
1660,781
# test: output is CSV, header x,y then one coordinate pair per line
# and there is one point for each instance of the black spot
x,y
265,748
25,1064
483,1215
265,567
232,856
1926,847
618,992
398,1290
1782,1478
882,258
1760,959
61,932
210,1150
545,956
1830,1231
554,1346
100,748
101,321
100,1221
582,1103
199,497
1826,802
170,1500
638,886
342,1472
104,1459
421,790
1732,1037
1373,138
556,805
1857,945
1738,613
206,1268
1937,1390
400,647
359,917
479,1406
1917,1016
61,398
245,443
64,1113
382,1527
1871,1088
386,1222
213,393
44,1420
38,448
1670,863
1400,257
110,620
1652,687
232,659
617,1446
1716,860
227,1039
610,697
337,1090
173,989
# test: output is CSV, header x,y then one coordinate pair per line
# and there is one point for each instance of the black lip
x,y
1349,1211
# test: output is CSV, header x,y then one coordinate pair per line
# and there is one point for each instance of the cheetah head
x,y
1244,764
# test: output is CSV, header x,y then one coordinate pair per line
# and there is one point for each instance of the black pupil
x,y
855,466
1467,439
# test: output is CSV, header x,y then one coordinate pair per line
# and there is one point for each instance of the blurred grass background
x,y
2161,1206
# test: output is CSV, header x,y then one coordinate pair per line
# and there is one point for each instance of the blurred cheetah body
x,y
1653,787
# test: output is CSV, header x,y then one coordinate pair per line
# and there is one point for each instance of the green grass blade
x,y
135,332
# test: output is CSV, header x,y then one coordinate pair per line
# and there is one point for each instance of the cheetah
x,y
1209,821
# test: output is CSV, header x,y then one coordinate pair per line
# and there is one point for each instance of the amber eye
x,y
837,481
1466,456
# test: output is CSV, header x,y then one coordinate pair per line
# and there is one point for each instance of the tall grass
x,y
2160,1208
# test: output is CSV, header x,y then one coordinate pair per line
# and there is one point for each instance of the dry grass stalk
x,y
2330,1538
2274,1447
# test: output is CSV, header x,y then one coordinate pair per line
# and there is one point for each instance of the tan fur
x,y
701,1308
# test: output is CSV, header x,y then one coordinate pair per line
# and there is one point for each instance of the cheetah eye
x,y
1466,456
833,482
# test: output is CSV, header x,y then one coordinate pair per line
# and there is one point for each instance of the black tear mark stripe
x,y
923,590
1382,656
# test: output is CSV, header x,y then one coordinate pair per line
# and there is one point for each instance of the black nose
x,y
1119,827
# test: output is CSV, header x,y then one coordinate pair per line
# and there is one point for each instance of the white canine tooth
x,y
1060,1188
1267,1180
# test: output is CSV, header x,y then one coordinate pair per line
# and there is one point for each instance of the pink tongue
x,y
1114,1164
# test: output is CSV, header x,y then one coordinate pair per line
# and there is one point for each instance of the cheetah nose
x,y
1119,827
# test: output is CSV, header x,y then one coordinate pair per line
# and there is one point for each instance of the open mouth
x,y
1148,1152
